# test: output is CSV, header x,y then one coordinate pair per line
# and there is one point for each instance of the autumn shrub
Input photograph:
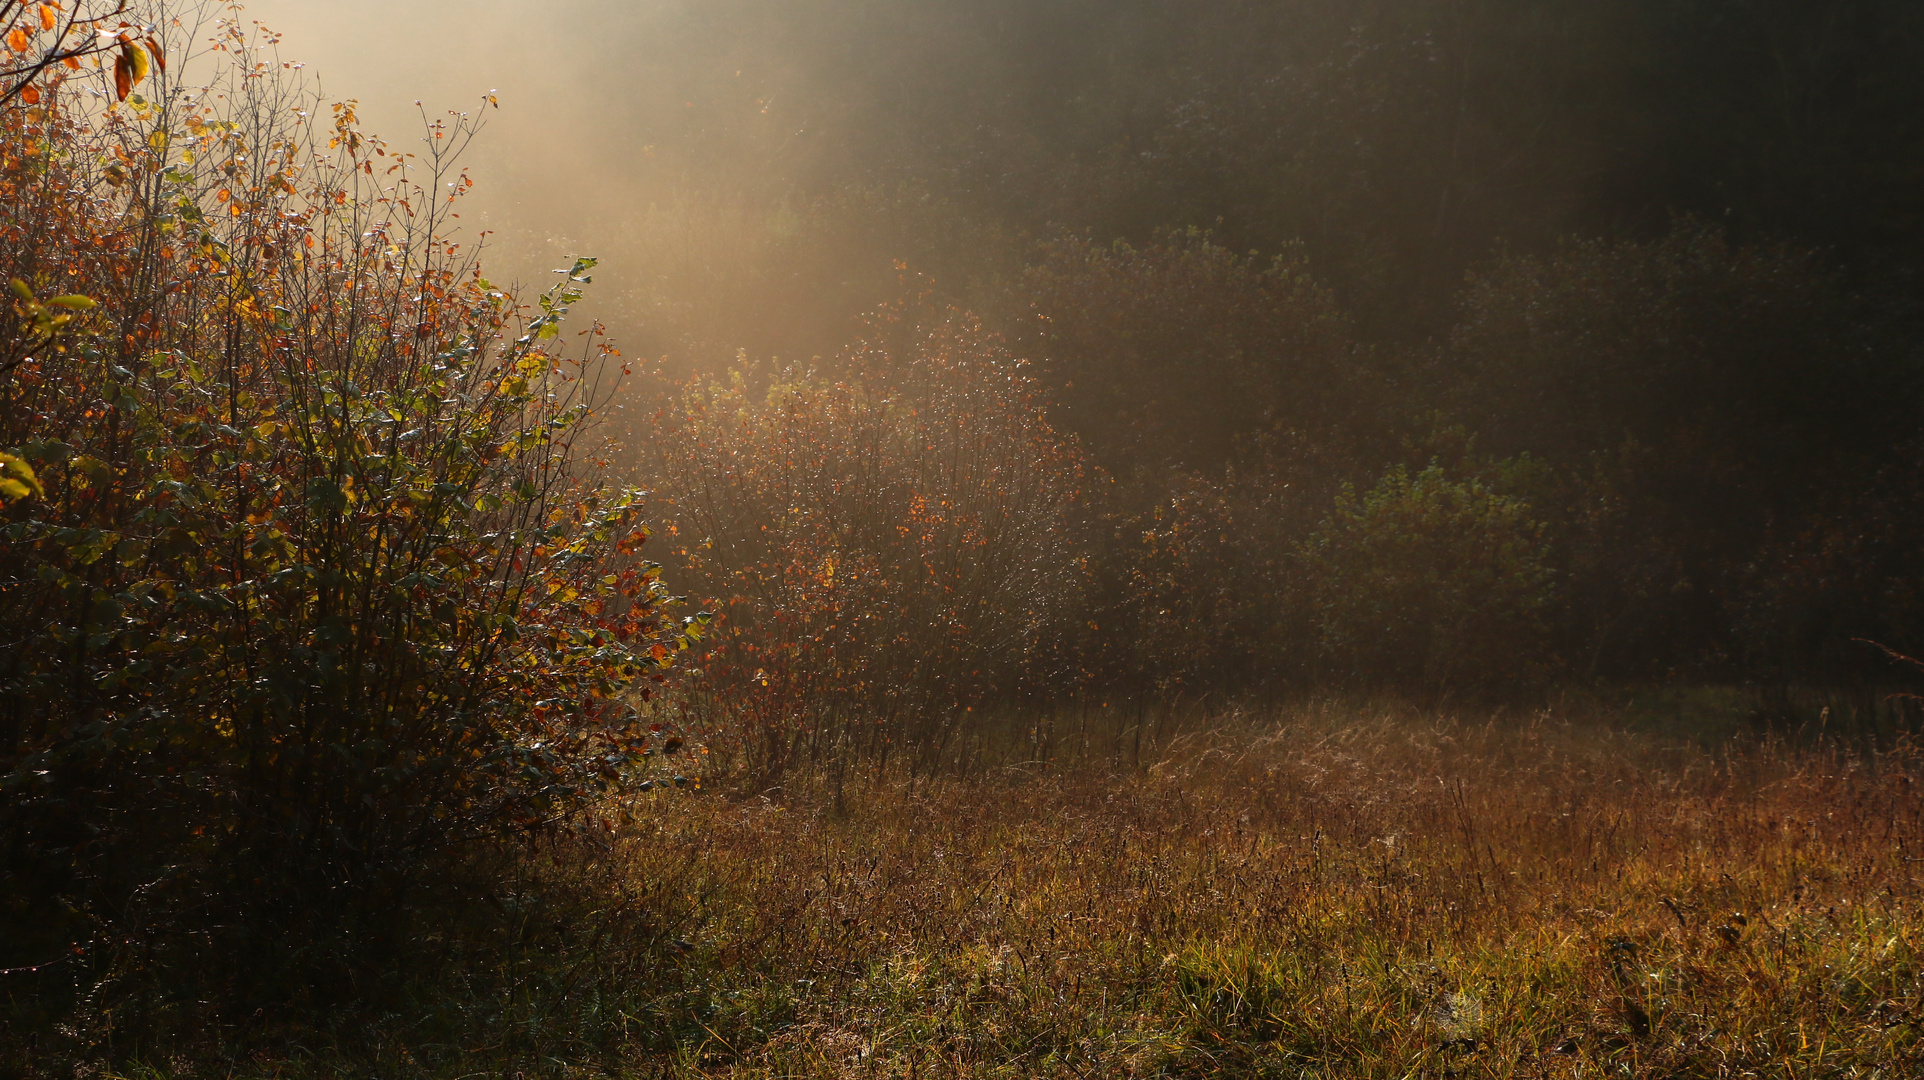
x,y
888,541
314,582
1431,584
1197,593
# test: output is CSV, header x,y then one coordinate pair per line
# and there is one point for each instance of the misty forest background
x,y
1331,298
481,596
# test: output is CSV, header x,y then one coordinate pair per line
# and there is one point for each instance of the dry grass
x,y
1327,897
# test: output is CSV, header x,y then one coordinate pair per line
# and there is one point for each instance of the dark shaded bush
x,y
1719,406
1431,584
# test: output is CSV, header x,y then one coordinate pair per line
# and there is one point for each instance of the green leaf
x,y
131,552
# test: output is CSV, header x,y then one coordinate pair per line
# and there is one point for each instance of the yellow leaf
x,y
17,480
138,57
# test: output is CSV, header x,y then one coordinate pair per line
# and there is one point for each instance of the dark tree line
x,y
1398,140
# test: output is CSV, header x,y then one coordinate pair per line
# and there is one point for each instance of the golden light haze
x,y
643,134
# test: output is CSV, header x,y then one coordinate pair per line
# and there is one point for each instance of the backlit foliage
x,y
890,546
311,578
46,40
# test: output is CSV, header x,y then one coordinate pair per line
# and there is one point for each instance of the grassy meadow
x,y
1327,892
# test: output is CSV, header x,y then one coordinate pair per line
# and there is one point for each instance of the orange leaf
x,y
30,94
123,76
71,61
46,17
160,58
17,40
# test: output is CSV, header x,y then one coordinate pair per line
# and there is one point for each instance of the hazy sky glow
x,y
659,137
539,169
749,171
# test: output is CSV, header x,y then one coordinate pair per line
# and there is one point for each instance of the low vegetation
x,y
1338,891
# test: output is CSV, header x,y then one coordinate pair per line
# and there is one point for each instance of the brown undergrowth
x,y
1322,895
